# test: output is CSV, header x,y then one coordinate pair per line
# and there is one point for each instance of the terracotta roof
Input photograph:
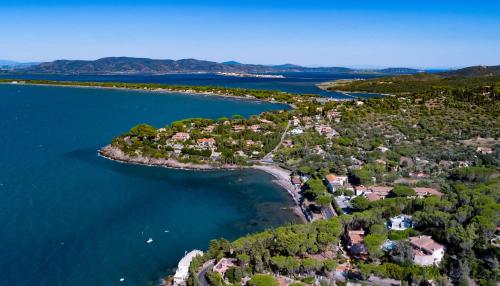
x,y
207,140
381,190
373,197
330,177
356,236
361,188
425,242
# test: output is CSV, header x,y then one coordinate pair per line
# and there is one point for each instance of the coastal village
x,y
370,178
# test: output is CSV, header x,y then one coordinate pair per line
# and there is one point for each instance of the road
x,y
201,275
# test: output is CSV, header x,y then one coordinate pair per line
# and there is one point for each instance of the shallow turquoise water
x,y
69,217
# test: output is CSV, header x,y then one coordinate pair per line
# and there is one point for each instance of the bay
x,y
69,217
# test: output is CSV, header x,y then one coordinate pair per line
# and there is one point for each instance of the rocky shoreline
x,y
116,154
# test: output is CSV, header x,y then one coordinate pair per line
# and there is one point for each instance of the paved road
x,y
201,275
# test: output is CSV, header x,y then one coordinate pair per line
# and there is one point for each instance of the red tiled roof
x,y
373,197
356,236
381,190
425,242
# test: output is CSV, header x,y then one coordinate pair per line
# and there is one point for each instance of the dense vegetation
x,y
439,133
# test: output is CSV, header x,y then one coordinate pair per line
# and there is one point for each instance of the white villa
x,y
400,222
296,131
335,182
182,272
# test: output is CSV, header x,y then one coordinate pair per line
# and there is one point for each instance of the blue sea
x,y
69,217
293,82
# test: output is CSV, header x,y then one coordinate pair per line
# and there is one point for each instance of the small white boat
x,y
149,240
122,279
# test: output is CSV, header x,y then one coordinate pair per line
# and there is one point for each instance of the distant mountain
x,y
474,71
127,65
5,64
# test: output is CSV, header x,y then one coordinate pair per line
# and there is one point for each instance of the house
x,y
263,120
400,222
181,136
335,182
223,265
209,129
419,175
484,150
296,131
376,193
382,149
182,272
381,190
426,250
241,153
373,197
333,115
359,190
323,129
206,142
238,128
355,243
406,162
296,181
426,192
255,128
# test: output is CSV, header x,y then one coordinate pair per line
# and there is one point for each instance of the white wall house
x,y
182,272
426,250
400,222
335,182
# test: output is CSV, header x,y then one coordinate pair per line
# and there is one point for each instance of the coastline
x,y
151,90
282,176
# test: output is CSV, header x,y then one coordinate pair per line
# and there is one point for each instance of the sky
x,y
425,34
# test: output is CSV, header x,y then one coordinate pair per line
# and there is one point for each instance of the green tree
x,y
403,191
373,243
324,200
263,280
311,265
143,131
234,274
401,253
360,203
